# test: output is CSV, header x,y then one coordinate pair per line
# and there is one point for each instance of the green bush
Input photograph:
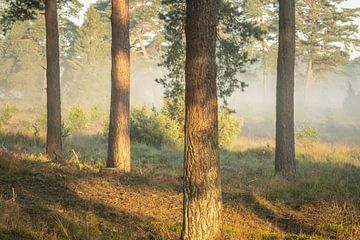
x,y
77,119
307,135
6,114
164,128
97,115
41,121
173,114
229,127
152,128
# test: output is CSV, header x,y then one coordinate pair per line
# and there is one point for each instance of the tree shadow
x,y
286,223
39,193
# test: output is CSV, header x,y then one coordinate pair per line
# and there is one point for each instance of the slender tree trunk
x,y
265,84
53,138
285,142
119,132
309,82
202,203
43,90
142,45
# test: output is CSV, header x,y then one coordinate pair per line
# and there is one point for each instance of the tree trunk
x,y
53,138
285,142
119,132
202,203
309,82
43,89
141,41
265,84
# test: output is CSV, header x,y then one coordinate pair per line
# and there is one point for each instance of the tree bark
x,y
309,82
53,138
285,142
202,202
142,45
119,132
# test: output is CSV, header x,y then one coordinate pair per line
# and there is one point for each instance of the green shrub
x,y
229,127
6,114
307,135
163,128
173,114
150,127
97,115
41,121
77,119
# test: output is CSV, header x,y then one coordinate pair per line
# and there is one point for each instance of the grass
x,y
40,199
78,201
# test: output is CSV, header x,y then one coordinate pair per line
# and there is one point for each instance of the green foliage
x,y
234,33
307,135
41,120
89,62
152,128
229,127
77,119
97,115
326,33
65,131
6,114
29,10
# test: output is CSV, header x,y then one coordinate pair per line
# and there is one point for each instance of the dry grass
x,y
64,202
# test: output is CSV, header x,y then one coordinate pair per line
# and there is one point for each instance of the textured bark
x,y
285,142
202,203
119,132
53,137
309,82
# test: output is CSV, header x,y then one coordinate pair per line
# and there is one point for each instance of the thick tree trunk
x,y
53,138
202,203
309,82
285,142
119,132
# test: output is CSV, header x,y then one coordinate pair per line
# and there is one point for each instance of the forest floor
x,y
40,199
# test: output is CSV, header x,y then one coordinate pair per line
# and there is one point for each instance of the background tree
x,y
119,134
145,28
285,139
26,10
22,54
53,136
234,33
326,34
87,65
264,15
202,189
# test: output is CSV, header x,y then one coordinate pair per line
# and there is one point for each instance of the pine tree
x,y
87,66
263,13
22,54
202,206
234,34
28,10
326,34
145,28
119,129
285,137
